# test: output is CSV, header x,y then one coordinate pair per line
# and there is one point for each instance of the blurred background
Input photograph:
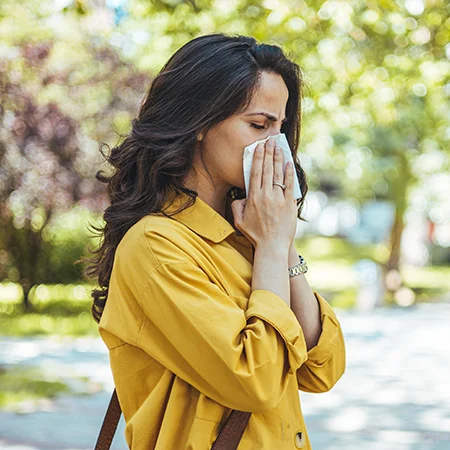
x,y
375,145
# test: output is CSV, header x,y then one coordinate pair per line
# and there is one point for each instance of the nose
x,y
272,131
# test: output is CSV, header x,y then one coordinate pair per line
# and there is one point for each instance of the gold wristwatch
x,y
301,267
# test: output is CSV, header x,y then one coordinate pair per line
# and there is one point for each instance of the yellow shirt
x,y
189,341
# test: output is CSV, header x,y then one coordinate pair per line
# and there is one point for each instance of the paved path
x,y
395,394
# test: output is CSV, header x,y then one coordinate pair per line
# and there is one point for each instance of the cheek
x,y
232,164
233,143
227,145
240,134
231,158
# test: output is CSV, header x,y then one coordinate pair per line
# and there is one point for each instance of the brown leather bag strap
x,y
231,433
228,438
109,425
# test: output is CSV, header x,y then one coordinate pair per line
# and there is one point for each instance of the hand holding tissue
x,y
281,141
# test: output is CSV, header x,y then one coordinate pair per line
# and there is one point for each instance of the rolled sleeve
x,y
269,307
326,361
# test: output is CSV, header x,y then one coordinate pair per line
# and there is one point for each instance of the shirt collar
x,y
201,218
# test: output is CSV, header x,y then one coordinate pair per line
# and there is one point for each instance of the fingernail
x,y
277,149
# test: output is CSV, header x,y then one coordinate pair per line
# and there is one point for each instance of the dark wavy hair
x,y
209,79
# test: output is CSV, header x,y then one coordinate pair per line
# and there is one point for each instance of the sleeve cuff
x,y
269,307
329,337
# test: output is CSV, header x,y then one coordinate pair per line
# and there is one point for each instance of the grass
x,y
20,384
57,309
35,324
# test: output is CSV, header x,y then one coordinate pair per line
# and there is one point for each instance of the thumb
x,y
238,208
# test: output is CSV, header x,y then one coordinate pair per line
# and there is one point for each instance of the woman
x,y
202,316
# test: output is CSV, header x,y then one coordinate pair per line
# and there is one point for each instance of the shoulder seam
x,y
149,246
156,259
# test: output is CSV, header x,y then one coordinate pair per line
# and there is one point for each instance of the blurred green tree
x,y
376,107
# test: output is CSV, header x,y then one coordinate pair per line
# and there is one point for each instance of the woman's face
x,y
224,144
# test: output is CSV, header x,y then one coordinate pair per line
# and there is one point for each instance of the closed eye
x,y
258,127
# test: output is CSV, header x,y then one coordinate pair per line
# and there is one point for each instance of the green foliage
x,y
58,309
19,384
64,240
69,239
339,250
377,74
34,324
342,299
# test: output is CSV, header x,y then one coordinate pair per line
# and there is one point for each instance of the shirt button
x,y
299,440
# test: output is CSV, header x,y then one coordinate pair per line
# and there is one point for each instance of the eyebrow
x,y
269,116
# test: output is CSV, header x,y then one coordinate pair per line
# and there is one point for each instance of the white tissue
x,y
281,141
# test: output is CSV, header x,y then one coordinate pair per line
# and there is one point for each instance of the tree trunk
x,y
28,307
395,240
29,262
25,247
398,195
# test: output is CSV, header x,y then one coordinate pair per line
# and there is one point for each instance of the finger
x,y
256,170
267,181
289,181
237,209
278,159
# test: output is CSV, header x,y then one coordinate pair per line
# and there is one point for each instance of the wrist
x,y
293,256
273,248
